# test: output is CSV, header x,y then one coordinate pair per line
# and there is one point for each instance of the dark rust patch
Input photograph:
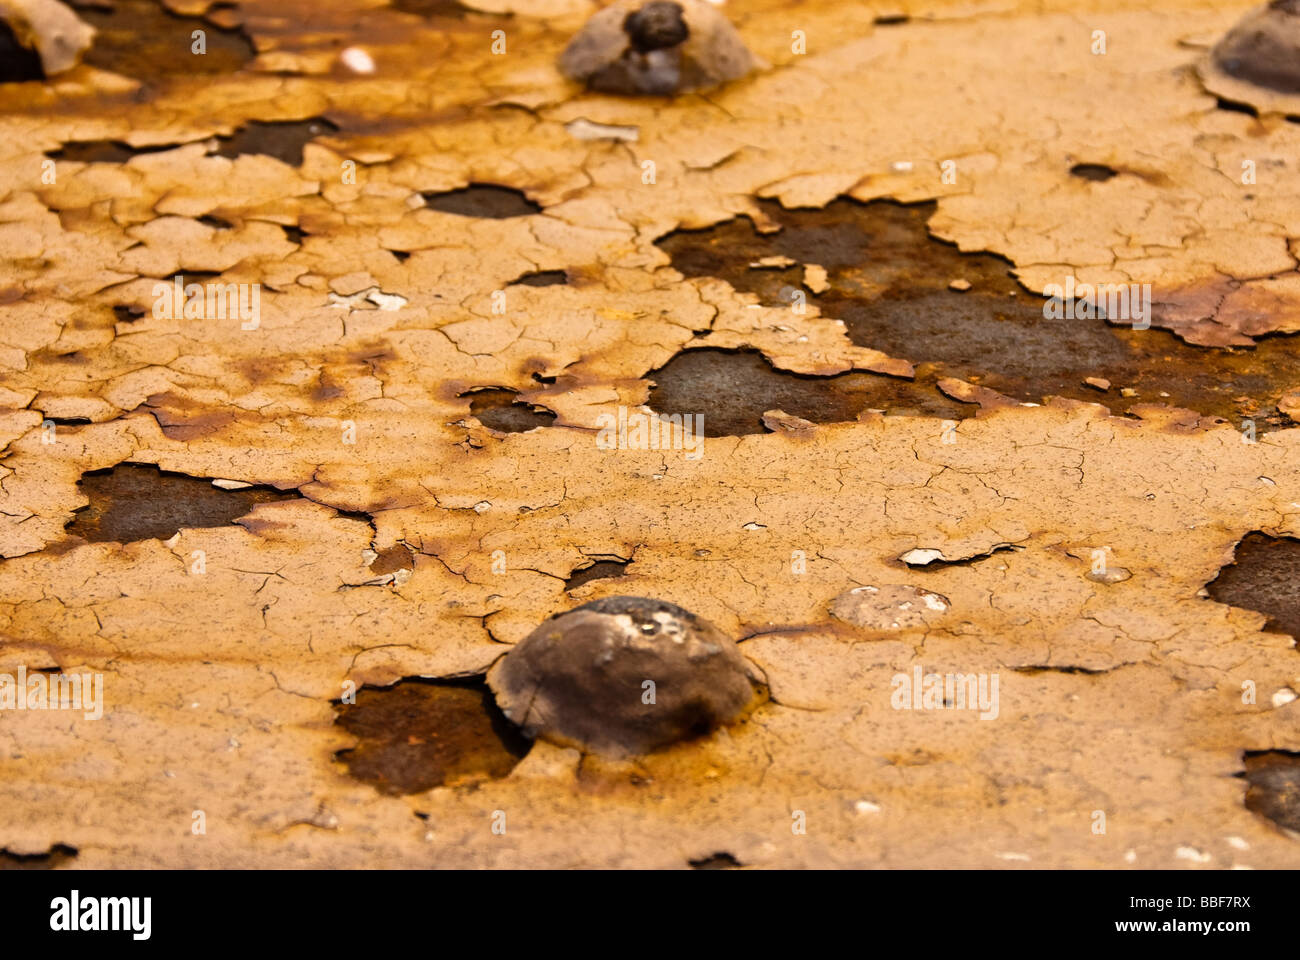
x,y
193,276
104,151
17,63
1264,576
1234,106
432,8
889,283
52,859
600,570
72,356
541,278
420,734
718,861
435,8
502,410
325,391
483,200
1097,172
282,140
142,39
1273,791
1033,671
733,388
136,501
397,557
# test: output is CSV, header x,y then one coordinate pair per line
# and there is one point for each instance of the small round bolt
x,y
624,676
656,26
1264,48
659,47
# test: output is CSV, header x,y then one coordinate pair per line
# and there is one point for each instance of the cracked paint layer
x,y
389,218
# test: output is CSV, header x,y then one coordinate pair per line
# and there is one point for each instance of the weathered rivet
x,y
624,675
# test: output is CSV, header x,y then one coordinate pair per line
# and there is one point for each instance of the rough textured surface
x,y
623,676
433,542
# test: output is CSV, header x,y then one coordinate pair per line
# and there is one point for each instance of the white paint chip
x,y
357,60
371,295
584,129
921,556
